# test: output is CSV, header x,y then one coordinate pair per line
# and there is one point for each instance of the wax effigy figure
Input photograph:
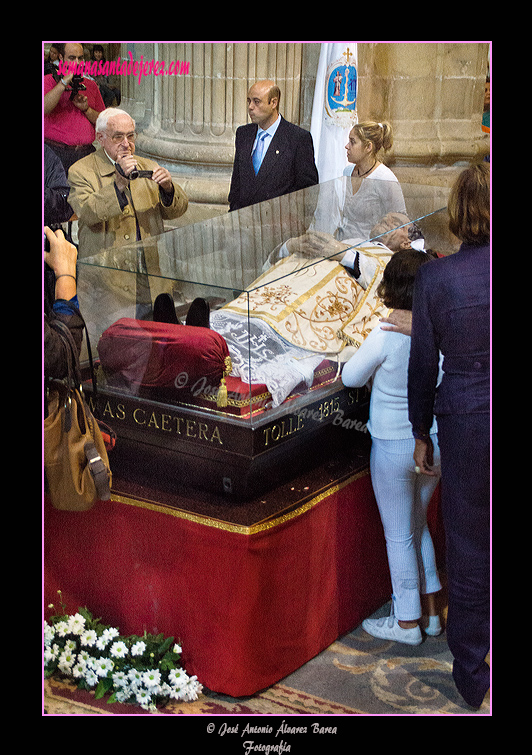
x,y
319,299
306,296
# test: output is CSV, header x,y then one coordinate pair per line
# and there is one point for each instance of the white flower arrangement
x,y
142,671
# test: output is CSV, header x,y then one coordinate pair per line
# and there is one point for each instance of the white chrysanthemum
x,y
135,677
91,678
123,694
61,628
88,638
49,633
106,637
66,661
151,678
110,633
118,649
91,662
178,677
76,624
120,679
192,689
178,649
79,669
138,648
103,666
143,697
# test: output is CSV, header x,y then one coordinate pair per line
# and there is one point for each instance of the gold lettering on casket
x,y
171,423
118,413
139,413
282,429
153,421
216,435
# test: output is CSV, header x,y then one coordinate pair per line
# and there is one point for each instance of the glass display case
x,y
235,398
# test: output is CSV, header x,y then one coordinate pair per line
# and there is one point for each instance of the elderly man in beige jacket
x,y
112,209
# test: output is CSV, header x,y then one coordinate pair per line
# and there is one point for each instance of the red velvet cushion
x,y
148,355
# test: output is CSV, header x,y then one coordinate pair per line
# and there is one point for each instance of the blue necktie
x,y
259,153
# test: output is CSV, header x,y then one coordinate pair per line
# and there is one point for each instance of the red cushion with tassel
x,y
148,357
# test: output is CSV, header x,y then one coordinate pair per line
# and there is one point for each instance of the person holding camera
x,y
60,290
71,106
120,198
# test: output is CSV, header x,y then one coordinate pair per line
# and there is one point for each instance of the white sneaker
x,y
431,625
388,628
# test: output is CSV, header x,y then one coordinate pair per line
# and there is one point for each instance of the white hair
x,y
106,115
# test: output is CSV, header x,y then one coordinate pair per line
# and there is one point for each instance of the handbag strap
x,y
73,352
73,366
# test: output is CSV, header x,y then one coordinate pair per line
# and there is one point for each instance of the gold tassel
x,y
221,398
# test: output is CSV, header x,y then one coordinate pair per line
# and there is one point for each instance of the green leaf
x,y
87,615
167,663
104,685
166,644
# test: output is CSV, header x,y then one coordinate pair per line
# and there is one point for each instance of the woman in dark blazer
x,y
451,314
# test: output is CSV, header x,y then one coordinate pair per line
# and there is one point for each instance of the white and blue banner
x,y
334,106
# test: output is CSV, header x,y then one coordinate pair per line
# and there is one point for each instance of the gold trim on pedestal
x,y
239,529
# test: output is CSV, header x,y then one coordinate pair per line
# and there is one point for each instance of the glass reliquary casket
x,y
239,398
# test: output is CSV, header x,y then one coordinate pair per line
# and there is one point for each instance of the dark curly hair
x,y
396,288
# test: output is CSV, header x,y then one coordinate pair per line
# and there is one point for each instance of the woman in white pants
x,y
402,494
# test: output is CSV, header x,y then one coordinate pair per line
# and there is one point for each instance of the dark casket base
x,y
179,445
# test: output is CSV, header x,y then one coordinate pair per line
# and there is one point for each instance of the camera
x,y
141,173
76,85
53,227
135,173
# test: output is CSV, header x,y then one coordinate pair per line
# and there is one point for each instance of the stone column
x,y
187,122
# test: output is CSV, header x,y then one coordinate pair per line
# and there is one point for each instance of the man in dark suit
x,y
272,157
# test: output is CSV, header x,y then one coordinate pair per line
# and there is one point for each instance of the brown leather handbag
x,y
75,457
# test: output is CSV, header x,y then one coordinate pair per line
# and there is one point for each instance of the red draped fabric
x,y
248,604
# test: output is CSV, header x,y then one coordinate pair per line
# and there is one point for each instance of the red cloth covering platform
x,y
249,603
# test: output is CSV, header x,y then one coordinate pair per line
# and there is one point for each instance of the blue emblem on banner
x,y
341,91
